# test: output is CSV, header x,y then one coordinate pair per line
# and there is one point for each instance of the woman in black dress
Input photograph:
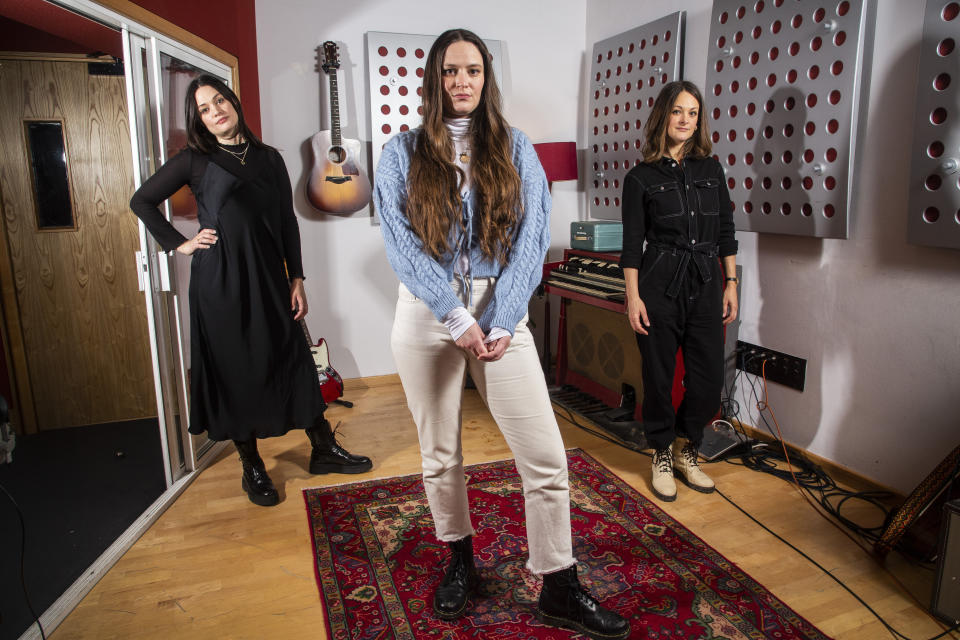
x,y
252,374
677,296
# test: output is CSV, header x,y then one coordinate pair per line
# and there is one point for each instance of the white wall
x,y
876,318
350,286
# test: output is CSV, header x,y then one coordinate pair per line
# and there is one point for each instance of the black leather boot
x,y
450,598
564,603
328,456
255,481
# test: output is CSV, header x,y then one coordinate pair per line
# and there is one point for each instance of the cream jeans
x,y
432,369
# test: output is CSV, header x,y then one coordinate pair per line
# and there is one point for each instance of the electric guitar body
x,y
337,182
331,384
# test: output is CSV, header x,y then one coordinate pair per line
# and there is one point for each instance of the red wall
x,y
232,26
17,36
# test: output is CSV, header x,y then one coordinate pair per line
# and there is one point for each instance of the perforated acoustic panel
x,y
627,73
934,214
395,68
782,91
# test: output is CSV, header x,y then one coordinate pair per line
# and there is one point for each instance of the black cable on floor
x,y
23,552
833,577
814,479
810,475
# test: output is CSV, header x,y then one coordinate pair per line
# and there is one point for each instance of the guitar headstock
x,y
331,56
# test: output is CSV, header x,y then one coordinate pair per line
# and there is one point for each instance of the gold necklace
x,y
241,156
465,156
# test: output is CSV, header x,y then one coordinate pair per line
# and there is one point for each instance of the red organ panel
x,y
782,90
934,211
396,63
627,73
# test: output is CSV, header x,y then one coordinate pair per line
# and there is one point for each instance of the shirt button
x,y
691,213
693,242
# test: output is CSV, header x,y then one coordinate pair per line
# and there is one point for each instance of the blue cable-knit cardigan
x,y
429,279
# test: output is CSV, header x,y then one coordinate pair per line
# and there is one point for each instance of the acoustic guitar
x,y
337,184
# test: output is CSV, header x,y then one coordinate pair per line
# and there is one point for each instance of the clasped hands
x,y
472,341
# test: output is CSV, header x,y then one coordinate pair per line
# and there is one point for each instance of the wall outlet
x,y
780,367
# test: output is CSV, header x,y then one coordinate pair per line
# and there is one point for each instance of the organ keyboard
x,y
588,275
592,291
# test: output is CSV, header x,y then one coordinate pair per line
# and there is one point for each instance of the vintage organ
x,y
597,354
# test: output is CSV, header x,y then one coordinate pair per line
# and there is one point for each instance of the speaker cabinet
x,y
601,347
946,590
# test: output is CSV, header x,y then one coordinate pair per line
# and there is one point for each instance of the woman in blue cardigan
x,y
465,207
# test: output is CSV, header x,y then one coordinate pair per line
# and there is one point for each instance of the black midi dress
x,y
252,374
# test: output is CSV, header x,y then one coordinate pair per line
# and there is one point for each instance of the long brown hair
x,y
199,137
655,131
433,202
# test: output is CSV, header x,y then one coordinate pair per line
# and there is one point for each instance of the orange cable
x,y
786,454
819,509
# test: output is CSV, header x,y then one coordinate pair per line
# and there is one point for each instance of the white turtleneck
x,y
459,129
459,319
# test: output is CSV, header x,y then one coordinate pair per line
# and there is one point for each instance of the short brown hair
x,y
655,131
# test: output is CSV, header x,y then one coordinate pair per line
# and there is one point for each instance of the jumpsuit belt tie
x,y
699,253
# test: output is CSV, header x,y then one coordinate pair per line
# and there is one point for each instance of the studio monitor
x,y
601,346
946,590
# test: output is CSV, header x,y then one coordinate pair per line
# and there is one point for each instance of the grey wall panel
x,y
933,216
627,73
782,94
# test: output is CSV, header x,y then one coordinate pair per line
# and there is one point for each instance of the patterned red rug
x,y
378,562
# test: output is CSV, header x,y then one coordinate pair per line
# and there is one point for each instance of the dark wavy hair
x,y
656,144
433,201
199,137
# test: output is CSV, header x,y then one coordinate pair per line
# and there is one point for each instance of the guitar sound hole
x,y
337,154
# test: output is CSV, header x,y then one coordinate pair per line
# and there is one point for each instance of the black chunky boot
x,y
329,457
255,481
564,603
450,598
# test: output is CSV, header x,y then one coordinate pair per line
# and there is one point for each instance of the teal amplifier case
x,y
596,235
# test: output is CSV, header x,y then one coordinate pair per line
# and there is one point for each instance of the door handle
x,y
163,267
141,270
162,270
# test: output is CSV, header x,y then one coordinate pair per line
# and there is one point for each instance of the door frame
x,y
131,19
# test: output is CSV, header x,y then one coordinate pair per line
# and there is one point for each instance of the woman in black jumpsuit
x,y
677,294
252,375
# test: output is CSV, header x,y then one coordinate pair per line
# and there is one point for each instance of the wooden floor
x,y
216,566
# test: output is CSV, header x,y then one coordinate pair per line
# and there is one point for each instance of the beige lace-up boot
x,y
664,486
685,464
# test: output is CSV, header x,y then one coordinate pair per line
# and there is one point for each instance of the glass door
x,y
160,73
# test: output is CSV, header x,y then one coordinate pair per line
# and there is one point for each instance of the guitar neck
x,y
334,109
306,331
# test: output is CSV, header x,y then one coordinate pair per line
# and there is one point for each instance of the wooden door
x,y
79,317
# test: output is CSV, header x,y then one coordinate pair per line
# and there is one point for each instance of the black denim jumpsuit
x,y
683,213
